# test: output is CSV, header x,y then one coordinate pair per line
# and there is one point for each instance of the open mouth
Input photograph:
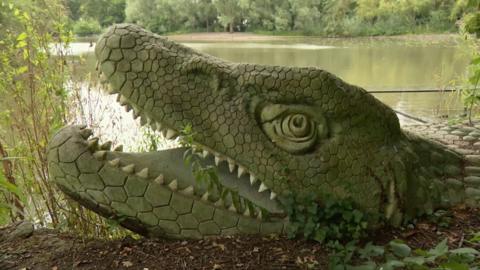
x,y
237,189
158,193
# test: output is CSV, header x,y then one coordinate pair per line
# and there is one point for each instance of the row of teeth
x,y
241,171
100,153
171,134
168,133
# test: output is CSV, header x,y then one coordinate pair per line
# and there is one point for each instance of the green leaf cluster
x,y
307,17
206,175
330,220
398,255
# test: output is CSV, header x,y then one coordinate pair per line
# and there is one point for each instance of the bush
x,y
331,221
87,27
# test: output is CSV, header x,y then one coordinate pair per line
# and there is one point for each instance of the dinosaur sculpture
x,y
272,131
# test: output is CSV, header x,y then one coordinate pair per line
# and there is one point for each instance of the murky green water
x,y
372,64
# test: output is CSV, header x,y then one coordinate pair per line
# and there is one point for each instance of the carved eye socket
x,y
291,127
295,127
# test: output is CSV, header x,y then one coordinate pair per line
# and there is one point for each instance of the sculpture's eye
x,y
292,127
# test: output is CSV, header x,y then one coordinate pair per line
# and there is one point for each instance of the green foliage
x,y
6,207
442,218
206,175
471,25
471,94
309,17
398,255
329,221
203,174
87,27
31,87
104,12
33,106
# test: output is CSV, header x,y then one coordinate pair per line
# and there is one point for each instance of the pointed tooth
x,y
136,113
273,195
103,78
247,212
129,168
143,121
231,165
118,148
232,208
97,65
114,162
158,126
164,133
217,160
170,134
143,173
259,215
86,133
262,188
160,179
219,203
205,153
92,143
205,196
188,191
100,155
252,179
173,185
128,108
241,171
123,100
106,146
110,90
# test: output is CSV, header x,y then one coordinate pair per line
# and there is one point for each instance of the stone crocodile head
x,y
272,131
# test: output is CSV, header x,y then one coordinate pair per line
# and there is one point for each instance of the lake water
x,y
374,64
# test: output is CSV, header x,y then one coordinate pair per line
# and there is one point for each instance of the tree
x,y
106,12
229,13
73,8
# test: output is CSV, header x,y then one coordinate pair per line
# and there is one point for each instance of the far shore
x,y
253,37
242,37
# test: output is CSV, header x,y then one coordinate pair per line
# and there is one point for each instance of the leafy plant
x,y
398,255
328,221
442,218
87,27
470,94
207,174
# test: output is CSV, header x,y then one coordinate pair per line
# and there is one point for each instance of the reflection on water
x,y
373,65
255,46
102,113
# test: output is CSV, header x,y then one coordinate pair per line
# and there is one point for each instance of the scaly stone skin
x,y
297,130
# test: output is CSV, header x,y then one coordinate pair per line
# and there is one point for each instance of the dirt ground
x,y
47,249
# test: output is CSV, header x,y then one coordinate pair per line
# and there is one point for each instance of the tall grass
x,y
37,97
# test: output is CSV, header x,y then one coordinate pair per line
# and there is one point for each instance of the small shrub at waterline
x,y
87,27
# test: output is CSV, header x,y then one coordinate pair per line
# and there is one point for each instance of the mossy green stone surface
x,y
268,132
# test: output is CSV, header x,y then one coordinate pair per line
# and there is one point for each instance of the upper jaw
x,y
164,124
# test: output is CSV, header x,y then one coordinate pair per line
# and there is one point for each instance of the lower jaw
x,y
149,202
